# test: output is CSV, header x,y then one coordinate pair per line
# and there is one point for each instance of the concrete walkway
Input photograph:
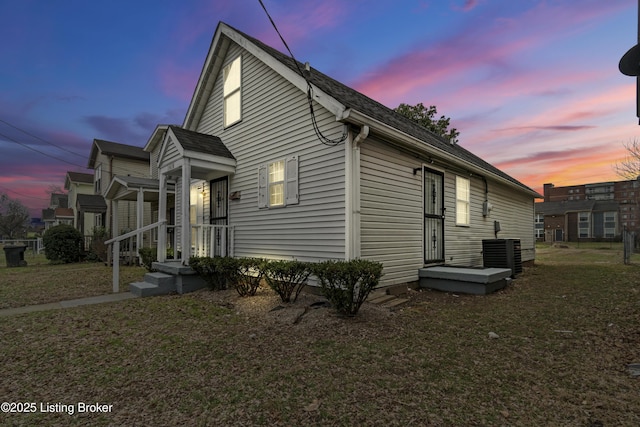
x,y
101,299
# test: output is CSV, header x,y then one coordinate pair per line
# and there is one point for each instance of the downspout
x,y
353,249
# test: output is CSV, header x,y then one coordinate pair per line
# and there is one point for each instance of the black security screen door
x,y
433,216
219,212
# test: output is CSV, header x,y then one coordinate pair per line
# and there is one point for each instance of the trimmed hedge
x,y
63,244
346,284
287,278
249,274
216,271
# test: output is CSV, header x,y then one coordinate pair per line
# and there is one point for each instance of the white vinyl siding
x,y
391,211
275,125
511,208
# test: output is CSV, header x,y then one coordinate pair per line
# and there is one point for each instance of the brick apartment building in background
x,y
588,212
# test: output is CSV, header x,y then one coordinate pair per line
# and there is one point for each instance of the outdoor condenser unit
x,y
502,253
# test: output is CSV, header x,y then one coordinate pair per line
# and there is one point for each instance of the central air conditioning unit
x,y
502,253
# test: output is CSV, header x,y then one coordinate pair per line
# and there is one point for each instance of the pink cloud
x,y
476,52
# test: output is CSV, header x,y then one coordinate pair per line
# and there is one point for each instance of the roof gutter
x,y
353,116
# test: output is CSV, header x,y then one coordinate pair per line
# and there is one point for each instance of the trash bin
x,y
15,255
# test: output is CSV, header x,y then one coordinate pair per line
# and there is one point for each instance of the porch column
x,y
185,220
162,217
115,232
139,220
115,252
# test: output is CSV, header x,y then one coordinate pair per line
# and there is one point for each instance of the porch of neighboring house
x,y
88,208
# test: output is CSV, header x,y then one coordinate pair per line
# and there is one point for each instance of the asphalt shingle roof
x,y
91,202
200,142
360,102
80,177
115,148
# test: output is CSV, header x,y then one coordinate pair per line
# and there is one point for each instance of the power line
x,y
22,195
40,139
325,140
41,152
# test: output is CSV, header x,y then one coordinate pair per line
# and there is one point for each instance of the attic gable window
x,y
463,190
232,92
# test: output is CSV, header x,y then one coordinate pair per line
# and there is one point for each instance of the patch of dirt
x,y
309,311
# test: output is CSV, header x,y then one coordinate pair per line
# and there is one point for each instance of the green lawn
x,y
40,282
567,329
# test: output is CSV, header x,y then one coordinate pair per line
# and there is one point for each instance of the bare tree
x,y
629,167
14,217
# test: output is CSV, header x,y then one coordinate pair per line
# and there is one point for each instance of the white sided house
x,y
253,179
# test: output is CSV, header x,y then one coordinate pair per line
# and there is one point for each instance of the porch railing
x,y
207,240
127,242
212,240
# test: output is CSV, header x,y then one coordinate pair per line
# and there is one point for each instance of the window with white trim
x,y
97,180
278,183
463,197
584,224
232,92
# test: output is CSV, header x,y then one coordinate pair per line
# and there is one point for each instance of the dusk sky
x,y
532,86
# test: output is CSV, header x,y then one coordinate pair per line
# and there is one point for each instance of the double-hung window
x,y
278,183
97,180
232,88
463,197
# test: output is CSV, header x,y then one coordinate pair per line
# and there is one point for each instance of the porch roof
x,y
127,188
200,142
92,203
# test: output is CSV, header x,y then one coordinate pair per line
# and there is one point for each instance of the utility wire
x,y
325,140
21,195
41,152
43,140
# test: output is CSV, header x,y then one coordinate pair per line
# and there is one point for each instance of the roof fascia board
x,y
208,75
209,158
408,141
155,138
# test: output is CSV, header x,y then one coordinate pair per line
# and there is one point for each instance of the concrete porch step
x,y
146,289
158,278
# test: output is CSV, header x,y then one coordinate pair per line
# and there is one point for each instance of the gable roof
x,y
200,142
79,177
565,206
116,149
351,105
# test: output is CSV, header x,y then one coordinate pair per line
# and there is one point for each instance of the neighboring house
x,y
111,160
248,166
58,212
625,193
577,221
85,204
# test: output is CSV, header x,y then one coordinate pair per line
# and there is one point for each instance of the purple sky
x,y
532,86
